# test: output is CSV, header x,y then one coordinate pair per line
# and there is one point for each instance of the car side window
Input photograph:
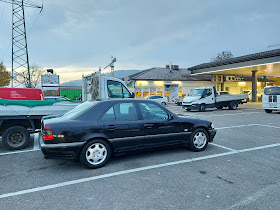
x,y
152,112
208,92
109,115
125,112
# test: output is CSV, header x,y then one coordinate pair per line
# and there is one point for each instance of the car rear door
x,y
158,129
122,125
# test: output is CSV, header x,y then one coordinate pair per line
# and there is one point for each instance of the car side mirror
x,y
170,116
132,95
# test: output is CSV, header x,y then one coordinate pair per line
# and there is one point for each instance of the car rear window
x,y
79,110
272,91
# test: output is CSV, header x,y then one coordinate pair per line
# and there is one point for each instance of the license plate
x,y
272,104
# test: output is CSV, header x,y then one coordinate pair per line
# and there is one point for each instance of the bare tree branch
x,y
35,76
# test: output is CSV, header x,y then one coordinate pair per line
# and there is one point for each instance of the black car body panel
x,y
71,134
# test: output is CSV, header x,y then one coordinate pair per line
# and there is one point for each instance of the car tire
x,y
16,137
95,153
268,110
220,107
202,108
188,110
163,103
233,105
199,140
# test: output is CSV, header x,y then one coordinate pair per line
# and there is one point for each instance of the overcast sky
x,y
75,36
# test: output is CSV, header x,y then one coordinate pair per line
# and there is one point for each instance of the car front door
x,y
121,124
158,129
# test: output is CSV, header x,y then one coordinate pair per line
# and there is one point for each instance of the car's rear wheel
x,y
95,153
163,103
268,110
199,140
233,105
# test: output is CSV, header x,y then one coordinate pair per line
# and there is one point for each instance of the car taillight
x,y
47,132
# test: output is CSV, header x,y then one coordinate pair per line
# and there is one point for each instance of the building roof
x,y
251,57
165,74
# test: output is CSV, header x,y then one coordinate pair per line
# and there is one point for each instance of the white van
x,y
271,99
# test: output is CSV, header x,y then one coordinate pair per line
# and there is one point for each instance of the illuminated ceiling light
x,y
177,82
142,83
242,84
158,83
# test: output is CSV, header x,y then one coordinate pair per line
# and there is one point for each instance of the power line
x,y
26,4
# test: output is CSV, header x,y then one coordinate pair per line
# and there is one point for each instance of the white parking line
x,y
16,152
227,148
36,141
237,126
78,181
221,115
270,126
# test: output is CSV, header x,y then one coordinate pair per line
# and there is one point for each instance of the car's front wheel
x,y
95,153
163,103
199,140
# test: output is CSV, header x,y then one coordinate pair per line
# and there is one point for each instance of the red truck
x,y
21,94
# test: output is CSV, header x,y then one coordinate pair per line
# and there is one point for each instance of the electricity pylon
x,y
20,58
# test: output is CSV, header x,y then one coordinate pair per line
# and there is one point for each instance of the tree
x,y
5,76
35,76
222,56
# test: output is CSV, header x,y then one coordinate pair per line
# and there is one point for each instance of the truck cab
x,y
99,87
204,96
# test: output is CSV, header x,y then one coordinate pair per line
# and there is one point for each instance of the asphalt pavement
x,y
239,170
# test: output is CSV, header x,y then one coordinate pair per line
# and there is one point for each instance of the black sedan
x,y
94,131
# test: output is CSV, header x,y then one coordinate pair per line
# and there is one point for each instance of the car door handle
x,y
148,125
112,127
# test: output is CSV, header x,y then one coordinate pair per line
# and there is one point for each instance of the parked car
x,y
222,92
21,93
95,130
178,101
249,92
160,99
56,98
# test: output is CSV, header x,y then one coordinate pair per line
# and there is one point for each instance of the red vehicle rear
x,y
21,94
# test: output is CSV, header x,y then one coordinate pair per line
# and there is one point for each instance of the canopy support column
x,y
254,86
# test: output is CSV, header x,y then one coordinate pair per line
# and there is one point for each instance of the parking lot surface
x,y
239,170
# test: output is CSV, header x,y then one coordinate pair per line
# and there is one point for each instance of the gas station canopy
x,y
264,64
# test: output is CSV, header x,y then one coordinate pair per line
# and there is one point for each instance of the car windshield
x,y
196,92
79,110
272,91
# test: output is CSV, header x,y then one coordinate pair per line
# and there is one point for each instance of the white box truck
x,y
207,97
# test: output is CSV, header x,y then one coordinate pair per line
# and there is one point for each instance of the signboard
x,y
50,80
234,79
